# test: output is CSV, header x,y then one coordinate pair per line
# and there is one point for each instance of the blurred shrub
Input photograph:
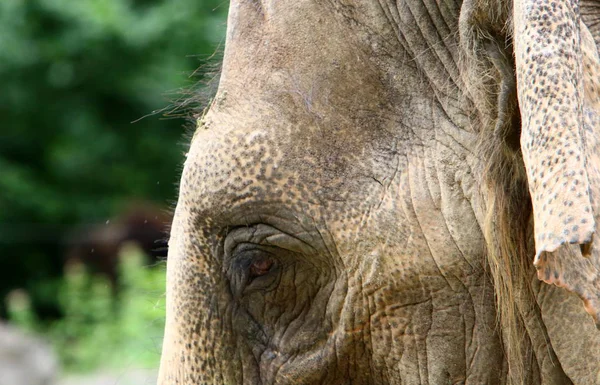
x,y
75,75
100,330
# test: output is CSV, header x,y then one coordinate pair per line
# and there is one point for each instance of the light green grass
x,y
100,330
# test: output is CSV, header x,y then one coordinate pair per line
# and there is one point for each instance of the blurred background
x,y
94,99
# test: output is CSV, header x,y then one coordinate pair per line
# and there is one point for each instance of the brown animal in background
x,y
98,246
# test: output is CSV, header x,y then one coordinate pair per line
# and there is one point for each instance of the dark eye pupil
x,y
261,267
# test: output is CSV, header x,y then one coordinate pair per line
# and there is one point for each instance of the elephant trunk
x,y
199,344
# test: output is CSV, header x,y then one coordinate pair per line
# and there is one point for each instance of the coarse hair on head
x,y
507,224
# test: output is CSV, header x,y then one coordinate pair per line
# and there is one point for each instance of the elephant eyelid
x,y
262,234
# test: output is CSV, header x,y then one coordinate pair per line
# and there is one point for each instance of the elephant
x,y
98,246
392,192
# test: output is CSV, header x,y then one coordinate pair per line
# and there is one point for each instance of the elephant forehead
x,y
228,169
222,171
361,192
231,162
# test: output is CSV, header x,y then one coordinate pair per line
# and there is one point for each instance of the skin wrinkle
x,y
431,253
471,336
392,178
544,343
463,146
425,372
445,57
423,376
444,213
349,13
407,58
422,56
394,21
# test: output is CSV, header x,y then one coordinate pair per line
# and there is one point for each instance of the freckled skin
x,y
329,228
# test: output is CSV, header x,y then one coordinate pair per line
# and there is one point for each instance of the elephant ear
x,y
558,73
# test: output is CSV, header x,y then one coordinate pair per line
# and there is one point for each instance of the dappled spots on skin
x,y
549,64
558,61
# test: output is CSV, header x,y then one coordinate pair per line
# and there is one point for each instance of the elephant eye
x,y
253,268
257,257
260,268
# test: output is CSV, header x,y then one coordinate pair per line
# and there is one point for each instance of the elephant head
x,y
377,183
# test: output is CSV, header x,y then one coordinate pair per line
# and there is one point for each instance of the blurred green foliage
x,y
99,330
74,75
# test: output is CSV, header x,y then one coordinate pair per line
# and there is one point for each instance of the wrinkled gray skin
x,y
330,222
